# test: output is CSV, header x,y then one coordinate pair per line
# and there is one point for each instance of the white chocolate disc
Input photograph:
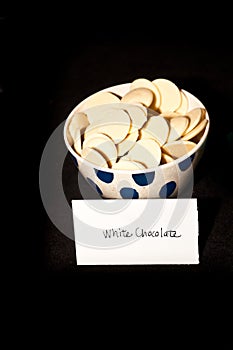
x,y
194,132
125,145
78,142
127,165
194,118
139,95
94,157
101,111
104,145
203,113
145,83
137,116
183,107
156,128
146,152
69,137
98,98
78,123
179,148
170,95
166,158
177,128
117,127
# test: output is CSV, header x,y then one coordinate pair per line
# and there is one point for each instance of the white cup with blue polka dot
x,y
174,179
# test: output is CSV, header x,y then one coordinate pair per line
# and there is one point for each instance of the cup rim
x,y
175,162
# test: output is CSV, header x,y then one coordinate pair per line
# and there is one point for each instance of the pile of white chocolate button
x,y
148,126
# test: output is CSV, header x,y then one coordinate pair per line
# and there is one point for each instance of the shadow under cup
x,y
171,180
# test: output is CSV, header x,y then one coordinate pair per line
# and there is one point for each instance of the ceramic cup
x,y
174,179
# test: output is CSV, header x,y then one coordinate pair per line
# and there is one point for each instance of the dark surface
x,y
60,63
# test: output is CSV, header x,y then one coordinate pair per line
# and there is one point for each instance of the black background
x,y
58,57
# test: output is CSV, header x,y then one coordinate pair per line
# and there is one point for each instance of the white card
x,y
136,231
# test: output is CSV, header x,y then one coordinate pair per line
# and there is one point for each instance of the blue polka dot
x,y
93,184
167,189
74,159
185,164
128,192
104,176
144,179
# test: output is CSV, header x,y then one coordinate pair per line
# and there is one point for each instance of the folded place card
x,y
136,231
